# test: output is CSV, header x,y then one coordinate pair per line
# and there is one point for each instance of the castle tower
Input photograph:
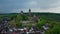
x,y
21,13
29,12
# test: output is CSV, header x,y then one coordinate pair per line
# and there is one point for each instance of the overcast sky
x,y
15,6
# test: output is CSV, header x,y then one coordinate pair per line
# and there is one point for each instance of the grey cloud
x,y
10,5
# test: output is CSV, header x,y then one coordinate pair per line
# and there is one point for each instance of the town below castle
x,y
24,23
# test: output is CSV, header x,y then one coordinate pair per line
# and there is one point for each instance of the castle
x,y
31,18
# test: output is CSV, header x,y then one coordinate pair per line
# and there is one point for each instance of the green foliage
x,y
29,26
25,17
19,24
40,24
55,29
11,17
52,18
18,18
48,32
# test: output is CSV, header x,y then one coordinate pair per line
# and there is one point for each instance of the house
x,y
45,27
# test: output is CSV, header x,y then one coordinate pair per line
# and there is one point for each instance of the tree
x,y
19,24
29,26
40,24
54,30
25,17
18,18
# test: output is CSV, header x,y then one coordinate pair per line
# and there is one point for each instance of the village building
x,y
3,25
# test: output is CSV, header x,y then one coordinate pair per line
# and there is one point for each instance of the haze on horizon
x,y
15,6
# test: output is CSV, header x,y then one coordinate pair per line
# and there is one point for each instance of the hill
x,y
47,16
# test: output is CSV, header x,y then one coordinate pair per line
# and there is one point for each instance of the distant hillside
x,y
47,16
